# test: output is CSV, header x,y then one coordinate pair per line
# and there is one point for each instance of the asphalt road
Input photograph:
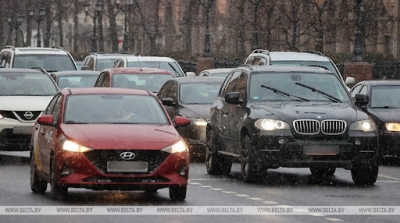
x,y
282,189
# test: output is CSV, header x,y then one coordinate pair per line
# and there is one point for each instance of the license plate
x,y
127,166
23,130
321,150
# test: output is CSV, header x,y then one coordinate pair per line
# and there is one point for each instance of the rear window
x,y
49,62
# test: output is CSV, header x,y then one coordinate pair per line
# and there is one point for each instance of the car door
x,y
237,113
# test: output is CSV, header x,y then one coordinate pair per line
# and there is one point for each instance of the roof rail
x,y
314,52
261,51
246,65
9,47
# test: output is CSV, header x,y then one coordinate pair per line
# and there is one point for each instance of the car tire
x,y
215,164
38,186
365,175
249,169
322,171
177,193
57,192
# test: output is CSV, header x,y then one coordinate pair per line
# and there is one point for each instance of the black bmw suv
x,y
269,117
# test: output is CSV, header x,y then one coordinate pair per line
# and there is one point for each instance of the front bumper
x,y
90,171
14,135
195,138
285,150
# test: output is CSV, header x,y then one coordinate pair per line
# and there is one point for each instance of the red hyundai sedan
x,y
108,139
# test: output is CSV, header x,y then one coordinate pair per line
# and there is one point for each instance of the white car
x,y
166,63
24,95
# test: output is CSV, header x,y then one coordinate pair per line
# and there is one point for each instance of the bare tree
x,y
150,22
112,12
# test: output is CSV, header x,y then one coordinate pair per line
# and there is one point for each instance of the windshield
x,y
102,64
172,67
49,62
27,84
327,65
385,97
150,82
198,93
293,84
76,81
114,109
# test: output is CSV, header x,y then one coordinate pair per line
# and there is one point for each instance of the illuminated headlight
x,y
1,116
198,122
177,148
363,125
74,147
271,124
394,127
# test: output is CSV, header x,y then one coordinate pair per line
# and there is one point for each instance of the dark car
x,y
384,109
108,139
191,97
145,78
269,117
75,78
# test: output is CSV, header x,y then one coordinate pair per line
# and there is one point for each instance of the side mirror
x,y
45,120
233,98
85,68
180,121
190,74
361,100
350,82
168,101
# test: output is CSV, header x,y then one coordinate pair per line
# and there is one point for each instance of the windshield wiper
x,y
330,97
74,122
385,106
282,93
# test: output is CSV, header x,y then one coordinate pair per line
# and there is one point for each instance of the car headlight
x,y
1,116
363,125
394,127
74,147
271,124
198,122
177,147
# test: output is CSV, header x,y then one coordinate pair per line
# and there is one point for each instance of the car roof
x,y
381,82
76,72
277,69
105,90
38,50
137,70
184,80
109,55
20,70
299,56
149,58
217,70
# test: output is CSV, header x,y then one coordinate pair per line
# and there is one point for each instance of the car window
x,y
50,107
385,96
172,67
163,93
102,64
150,82
173,91
49,62
198,93
27,84
76,81
231,87
355,90
364,90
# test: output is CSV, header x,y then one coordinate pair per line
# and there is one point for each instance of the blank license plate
x,y
23,130
321,150
126,166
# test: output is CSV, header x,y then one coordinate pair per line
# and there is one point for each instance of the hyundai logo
x,y
28,115
127,155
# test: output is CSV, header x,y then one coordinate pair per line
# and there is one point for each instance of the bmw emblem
x,y
319,117
127,155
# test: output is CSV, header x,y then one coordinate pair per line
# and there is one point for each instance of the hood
x,y
310,110
121,136
195,110
24,103
387,115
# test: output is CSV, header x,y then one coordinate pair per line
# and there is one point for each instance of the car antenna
x,y
140,64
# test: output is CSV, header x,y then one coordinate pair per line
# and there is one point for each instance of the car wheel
x,y
215,164
57,192
177,193
37,185
249,170
322,171
364,174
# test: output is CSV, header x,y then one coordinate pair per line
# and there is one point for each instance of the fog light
x,y
182,171
282,141
357,142
66,171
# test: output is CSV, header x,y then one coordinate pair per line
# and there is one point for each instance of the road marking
x,y
255,198
270,202
388,181
208,179
389,177
333,219
195,183
228,192
242,195
317,215
206,186
217,189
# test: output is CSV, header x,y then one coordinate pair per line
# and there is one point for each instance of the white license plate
x,y
23,130
321,150
127,166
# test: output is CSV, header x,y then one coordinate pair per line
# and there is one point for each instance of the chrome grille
x,y
333,127
306,126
